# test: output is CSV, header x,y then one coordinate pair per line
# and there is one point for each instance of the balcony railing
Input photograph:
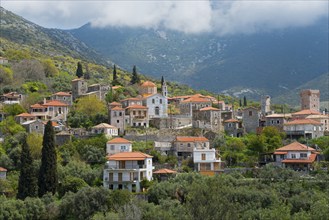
x,y
126,167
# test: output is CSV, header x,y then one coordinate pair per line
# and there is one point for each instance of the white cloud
x,y
224,17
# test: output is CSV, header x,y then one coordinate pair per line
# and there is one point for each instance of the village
x,y
151,112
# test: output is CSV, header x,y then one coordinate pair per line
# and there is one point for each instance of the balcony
x,y
126,167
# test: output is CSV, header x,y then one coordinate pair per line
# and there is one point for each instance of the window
x,y
153,101
278,121
293,156
120,113
134,112
123,148
115,114
303,155
188,145
118,121
157,111
160,101
250,113
203,156
112,147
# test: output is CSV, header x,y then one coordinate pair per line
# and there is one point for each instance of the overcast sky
x,y
223,17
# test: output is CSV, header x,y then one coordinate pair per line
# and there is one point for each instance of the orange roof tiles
x,y
119,140
38,106
148,84
303,122
295,146
191,139
164,171
232,120
78,79
195,99
55,103
311,159
117,108
307,112
25,115
62,94
209,109
115,104
278,116
3,169
128,156
280,152
136,107
132,99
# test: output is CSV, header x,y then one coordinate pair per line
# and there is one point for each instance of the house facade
x,y
137,116
193,103
310,99
106,129
277,120
118,145
207,161
24,117
250,119
127,170
303,128
233,128
208,118
157,105
183,146
35,126
63,97
117,116
296,156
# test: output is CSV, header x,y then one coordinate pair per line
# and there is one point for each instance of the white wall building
x,y
106,129
157,105
207,161
126,170
118,145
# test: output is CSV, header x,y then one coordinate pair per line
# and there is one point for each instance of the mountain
x,y
262,63
43,40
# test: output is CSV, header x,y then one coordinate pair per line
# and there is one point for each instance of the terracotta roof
x,y
119,140
148,84
164,171
116,87
280,152
117,108
104,125
231,120
311,159
3,169
62,94
318,117
307,112
303,122
278,116
11,94
128,156
25,115
53,123
191,139
115,104
37,106
136,107
209,109
295,146
132,99
55,103
195,99
78,79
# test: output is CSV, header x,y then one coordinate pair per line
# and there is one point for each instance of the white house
x,y
118,145
3,173
207,161
126,170
53,109
306,128
104,128
296,156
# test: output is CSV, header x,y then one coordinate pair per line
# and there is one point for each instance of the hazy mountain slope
x,y
270,63
43,40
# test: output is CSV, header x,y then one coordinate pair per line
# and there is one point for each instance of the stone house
x,y
79,88
36,126
304,113
104,128
208,118
250,119
193,103
303,128
63,97
323,119
126,170
183,146
11,98
310,99
131,101
277,120
117,117
233,128
24,117
136,116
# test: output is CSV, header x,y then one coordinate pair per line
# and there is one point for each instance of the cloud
x,y
223,17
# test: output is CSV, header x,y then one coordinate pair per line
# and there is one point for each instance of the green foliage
x,y
62,82
135,77
50,68
34,140
90,105
27,179
31,87
17,55
9,126
71,184
13,109
48,179
6,75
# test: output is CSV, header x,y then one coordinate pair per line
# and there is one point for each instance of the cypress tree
x,y
79,72
115,77
48,179
162,81
27,184
240,103
135,78
244,101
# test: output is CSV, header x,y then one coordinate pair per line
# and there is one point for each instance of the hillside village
x,y
169,123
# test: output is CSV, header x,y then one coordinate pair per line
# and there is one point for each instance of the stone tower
x,y
310,99
117,116
164,88
266,104
79,88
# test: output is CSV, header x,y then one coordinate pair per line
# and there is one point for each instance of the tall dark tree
x,y
162,81
240,103
48,178
115,76
87,73
27,184
79,72
135,78
244,101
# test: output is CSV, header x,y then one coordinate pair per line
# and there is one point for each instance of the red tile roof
x,y
115,104
164,171
55,103
25,115
136,107
278,116
232,120
303,122
209,109
191,139
3,169
196,99
307,112
62,94
78,79
295,146
148,84
117,108
128,156
311,159
119,140
280,152
38,106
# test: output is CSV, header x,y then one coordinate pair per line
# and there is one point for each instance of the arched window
x,y
157,111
